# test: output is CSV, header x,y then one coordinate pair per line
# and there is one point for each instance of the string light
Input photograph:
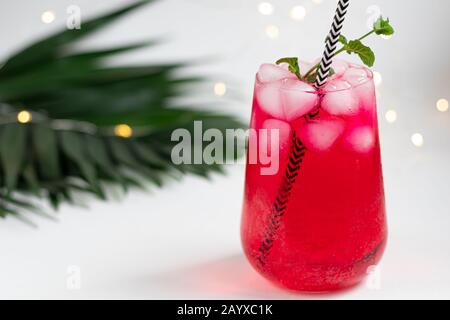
x,y
417,140
272,31
123,130
442,105
298,13
377,78
265,8
391,116
48,17
220,89
24,117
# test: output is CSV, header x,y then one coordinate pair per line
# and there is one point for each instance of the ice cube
x,y
340,67
366,95
363,86
298,99
271,73
282,128
340,99
361,139
337,85
320,135
268,97
355,76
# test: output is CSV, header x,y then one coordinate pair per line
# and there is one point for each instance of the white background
x,y
183,242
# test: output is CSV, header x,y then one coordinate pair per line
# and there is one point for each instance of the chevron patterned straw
x,y
331,43
298,149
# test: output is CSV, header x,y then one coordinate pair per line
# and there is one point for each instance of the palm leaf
x,y
12,153
76,100
52,47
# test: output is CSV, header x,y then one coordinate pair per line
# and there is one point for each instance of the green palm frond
x,y
76,101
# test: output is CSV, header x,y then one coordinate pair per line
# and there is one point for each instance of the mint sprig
x,y
365,53
293,65
380,27
383,27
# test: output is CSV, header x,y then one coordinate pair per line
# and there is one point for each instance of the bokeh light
x,y
377,78
48,17
220,89
442,105
24,117
265,8
123,130
417,139
298,13
272,31
391,116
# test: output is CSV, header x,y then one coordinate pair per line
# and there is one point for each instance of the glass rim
x,y
369,78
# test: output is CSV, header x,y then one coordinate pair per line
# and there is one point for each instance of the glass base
x,y
322,278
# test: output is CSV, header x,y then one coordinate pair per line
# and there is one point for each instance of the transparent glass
x,y
319,224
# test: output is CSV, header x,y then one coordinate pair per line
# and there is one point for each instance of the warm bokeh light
x,y
265,8
24,117
272,31
442,105
417,140
123,130
391,116
298,13
377,78
220,89
48,17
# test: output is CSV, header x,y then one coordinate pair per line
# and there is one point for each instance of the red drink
x,y
332,225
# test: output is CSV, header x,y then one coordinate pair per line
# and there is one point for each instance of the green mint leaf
x,y
293,65
343,40
311,78
365,53
383,27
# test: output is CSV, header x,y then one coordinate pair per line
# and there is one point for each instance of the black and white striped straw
x,y
331,43
298,149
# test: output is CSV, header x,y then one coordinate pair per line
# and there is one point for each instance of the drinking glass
x,y
316,223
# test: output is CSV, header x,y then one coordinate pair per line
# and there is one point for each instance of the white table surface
x,y
183,242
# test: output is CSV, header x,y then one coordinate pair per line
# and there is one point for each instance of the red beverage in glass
x,y
331,227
